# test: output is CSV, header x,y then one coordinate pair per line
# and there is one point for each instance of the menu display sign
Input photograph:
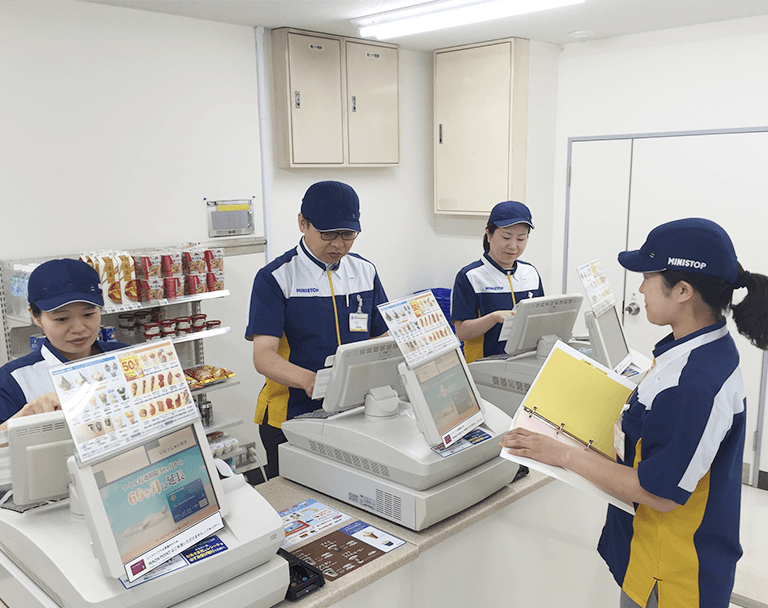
x,y
419,327
112,400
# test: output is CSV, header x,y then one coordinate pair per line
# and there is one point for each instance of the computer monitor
x,y
149,503
606,336
357,368
444,398
539,322
39,447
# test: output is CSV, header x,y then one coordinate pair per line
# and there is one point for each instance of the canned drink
x,y
108,334
206,412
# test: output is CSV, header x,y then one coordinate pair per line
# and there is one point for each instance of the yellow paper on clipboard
x,y
578,397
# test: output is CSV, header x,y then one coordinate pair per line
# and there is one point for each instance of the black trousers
x,y
271,437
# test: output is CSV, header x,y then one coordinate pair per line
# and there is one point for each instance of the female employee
x,y
486,291
65,302
680,438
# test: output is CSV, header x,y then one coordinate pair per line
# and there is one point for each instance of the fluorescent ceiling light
x,y
443,14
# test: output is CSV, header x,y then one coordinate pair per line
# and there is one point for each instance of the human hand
x,y
522,442
503,314
46,403
309,384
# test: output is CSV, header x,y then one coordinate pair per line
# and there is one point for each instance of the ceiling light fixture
x,y
442,14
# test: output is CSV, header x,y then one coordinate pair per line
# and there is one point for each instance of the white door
x,y
719,176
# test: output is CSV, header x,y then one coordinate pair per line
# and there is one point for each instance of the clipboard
x,y
576,401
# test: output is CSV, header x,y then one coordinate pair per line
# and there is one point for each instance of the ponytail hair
x,y
750,315
490,228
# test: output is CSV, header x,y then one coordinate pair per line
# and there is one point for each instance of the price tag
x,y
131,367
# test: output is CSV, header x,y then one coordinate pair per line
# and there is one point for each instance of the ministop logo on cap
x,y
690,245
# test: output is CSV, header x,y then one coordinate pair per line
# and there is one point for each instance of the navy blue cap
x,y
691,245
56,283
509,213
331,206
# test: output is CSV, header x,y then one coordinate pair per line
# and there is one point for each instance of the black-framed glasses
x,y
332,235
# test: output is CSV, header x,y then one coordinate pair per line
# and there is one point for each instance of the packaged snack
x,y
151,288
213,324
128,282
198,322
110,279
152,331
183,326
214,259
195,284
172,287
215,280
148,265
193,261
171,263
207,373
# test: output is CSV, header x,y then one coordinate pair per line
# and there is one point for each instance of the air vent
x,y
389,505
513,386
352,460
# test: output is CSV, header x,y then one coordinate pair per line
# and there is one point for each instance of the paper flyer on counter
x,y
308,519
596,286
419,327
120,397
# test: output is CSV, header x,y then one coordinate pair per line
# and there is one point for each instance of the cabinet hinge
x,y
568,177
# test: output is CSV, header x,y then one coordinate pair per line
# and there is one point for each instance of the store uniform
x,y
312,307
684,433
26,378
483,287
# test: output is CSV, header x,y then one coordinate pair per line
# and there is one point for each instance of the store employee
x,y
305,304
65,302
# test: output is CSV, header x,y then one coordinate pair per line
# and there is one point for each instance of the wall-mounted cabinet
x,y
336,100
480,125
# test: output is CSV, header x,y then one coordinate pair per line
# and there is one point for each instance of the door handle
x,y
632,308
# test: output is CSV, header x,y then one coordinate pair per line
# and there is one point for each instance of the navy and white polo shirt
x,y
685,430
26,378
295,298
483,287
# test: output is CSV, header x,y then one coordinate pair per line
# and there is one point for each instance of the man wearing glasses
x,y
305,304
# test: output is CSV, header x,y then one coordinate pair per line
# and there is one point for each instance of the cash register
x,y
153,526
412,444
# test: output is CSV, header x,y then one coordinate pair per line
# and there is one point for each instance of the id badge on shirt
x,y
358,321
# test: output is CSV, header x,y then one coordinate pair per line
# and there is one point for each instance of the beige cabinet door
x,y
472,128
373,104
314,68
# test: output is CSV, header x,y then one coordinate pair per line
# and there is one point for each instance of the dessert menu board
x,y
117,398
419,327
596,286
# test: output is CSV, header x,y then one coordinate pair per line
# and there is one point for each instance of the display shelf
x,y
214,386
198,297
199,335
221,422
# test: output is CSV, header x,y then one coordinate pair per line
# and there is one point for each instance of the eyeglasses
x,y
332,235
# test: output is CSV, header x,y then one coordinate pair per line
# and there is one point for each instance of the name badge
x,y
358,321
619,439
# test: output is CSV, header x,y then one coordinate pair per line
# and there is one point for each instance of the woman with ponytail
x,y
680,438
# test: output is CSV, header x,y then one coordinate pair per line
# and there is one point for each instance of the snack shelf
x,y
198,297
199,335
214,386
221,422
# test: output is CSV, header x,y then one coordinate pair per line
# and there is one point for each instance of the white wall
x,y
692,78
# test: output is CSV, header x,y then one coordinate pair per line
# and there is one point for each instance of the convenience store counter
x,y
283,494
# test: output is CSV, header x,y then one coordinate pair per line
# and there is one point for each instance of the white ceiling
x,y
606,18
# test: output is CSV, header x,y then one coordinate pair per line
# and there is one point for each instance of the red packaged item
x,y
215,280
151,289
183,326
171,263
213,324
148,265
168,328
193,261
152,331
173,287
196,284
214,259
198,322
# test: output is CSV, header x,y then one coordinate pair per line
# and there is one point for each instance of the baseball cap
x,y
331,206
509,213
692,245
56,283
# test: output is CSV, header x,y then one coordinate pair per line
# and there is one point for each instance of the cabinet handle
x,y
440,134
297,100
354,103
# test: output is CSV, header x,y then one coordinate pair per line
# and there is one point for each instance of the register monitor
x,y
539,322
533,330
149,527
378,457
606,337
